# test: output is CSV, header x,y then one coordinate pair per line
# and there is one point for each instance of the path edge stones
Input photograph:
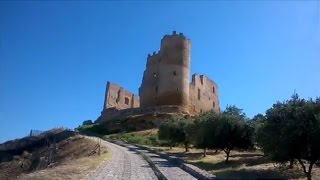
x,y
157,172
155,169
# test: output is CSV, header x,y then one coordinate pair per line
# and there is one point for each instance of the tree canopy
x,y
292,132
174,130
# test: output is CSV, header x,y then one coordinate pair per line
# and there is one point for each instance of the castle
x,y
165,87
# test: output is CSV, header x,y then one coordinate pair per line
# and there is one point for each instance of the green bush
x,y
99,129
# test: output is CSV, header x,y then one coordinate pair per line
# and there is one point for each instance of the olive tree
x,y
201,131
292,132
231,132
174,130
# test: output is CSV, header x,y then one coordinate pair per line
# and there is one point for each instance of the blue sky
x,y
56,57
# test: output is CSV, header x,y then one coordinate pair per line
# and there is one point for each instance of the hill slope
x,y
35,158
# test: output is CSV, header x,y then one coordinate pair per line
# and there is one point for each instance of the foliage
x,y
134,138
174,130
292,132
257,122
202,129
93,128
98,129
231,132
226,131
233,110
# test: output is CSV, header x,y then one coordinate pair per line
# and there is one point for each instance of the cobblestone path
x,y
126,164
169,170
123,165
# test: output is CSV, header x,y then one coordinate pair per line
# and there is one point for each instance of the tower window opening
x,y
174,73
213,104
213,90
177,89
199,92
156,89
126,101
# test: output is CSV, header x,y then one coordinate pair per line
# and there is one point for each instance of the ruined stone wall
x,y
166,78
118,98
203,94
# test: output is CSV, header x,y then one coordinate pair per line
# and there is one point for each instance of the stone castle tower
x,y
166,78
165,87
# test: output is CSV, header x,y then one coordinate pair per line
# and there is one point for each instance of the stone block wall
x,y
166,78
203,94
119,98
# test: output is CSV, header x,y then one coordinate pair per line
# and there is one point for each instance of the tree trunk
x,y
227,160
291,164
186,145
204,152
307,173
227,151
216,151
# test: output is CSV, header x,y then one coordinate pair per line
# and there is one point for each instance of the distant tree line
x,y
289,132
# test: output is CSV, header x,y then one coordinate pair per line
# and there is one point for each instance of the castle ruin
x,y
165,87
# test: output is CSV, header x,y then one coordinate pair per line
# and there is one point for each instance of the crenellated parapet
x,y
153,58
176,35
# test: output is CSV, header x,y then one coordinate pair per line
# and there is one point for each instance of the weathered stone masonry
x,y
119,98
165,87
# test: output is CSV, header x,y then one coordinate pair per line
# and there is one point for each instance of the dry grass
x,y
76,169
70,162
147,133
242,165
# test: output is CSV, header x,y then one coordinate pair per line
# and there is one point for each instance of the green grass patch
x,y
100,129
147,137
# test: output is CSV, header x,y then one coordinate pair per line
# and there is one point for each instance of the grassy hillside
x,y
37,158
146,137
100,129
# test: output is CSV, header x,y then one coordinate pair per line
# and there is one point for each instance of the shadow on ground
x,y
241,166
